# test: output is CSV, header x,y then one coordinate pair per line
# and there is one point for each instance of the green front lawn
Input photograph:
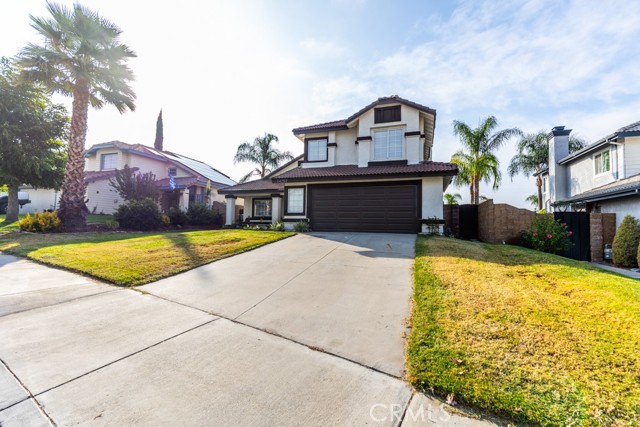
x,y
537,338
91,219
132,259
8,226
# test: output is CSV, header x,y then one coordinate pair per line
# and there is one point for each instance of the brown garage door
x,y
375,207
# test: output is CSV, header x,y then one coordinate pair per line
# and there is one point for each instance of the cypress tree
x,y
159,133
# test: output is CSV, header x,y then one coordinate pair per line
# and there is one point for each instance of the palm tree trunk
x,y
471,193
73,210
12,203
539,185
476,186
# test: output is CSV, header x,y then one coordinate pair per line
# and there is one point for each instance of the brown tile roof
x,y
370,172
259,185
334,125
342,124
100,175
184,182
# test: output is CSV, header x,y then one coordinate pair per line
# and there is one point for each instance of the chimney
x,y
558,150
159,133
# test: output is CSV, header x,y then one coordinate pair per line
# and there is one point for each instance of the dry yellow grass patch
x,y
535,337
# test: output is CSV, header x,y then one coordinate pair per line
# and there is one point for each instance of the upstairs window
x,y
173,171
387,114
317,150
602,162
109,161
387,144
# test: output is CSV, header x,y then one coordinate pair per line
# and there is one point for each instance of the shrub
x,y
433,225
41,222
301,226
200,214
139,215
111,225
625,243
177,217
134,186
526,239
278,226
547,234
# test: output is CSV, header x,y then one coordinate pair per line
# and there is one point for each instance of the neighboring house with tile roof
x,y
372,171
192,177
602,177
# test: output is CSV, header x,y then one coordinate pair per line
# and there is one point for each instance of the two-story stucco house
x,y
372,171
603,177
192,177
195,181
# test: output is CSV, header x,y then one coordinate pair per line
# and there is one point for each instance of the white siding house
x,y
602,177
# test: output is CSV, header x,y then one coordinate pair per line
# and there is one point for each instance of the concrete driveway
x,y
307,331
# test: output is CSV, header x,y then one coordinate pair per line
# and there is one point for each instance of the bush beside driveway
x,y
534,337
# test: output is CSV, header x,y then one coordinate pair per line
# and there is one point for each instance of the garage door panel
x,y
384,208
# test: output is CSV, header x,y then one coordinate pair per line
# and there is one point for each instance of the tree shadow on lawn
x,y
22,244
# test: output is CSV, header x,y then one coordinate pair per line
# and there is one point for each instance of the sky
x,y
226,72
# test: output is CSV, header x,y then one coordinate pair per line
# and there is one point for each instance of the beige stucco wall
x,y
432,191
158,167
410,118
348,152
347,149
92,163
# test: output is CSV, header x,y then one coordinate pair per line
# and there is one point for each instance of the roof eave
x,y
609,195
368,177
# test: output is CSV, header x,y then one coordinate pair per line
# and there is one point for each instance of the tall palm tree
x,y
479,162
533,157
81,57
262,153
452,199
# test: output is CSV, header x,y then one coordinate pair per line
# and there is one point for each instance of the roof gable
x,y
343,124
195,166
632,129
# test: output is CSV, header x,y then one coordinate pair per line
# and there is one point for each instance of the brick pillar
x,y
597,237
608,228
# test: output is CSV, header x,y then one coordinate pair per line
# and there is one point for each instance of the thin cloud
x,y
322,47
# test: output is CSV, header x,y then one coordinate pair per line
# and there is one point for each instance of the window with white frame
x,y
109,161
262,207
545,184
387,144
317,150
602,162
295,200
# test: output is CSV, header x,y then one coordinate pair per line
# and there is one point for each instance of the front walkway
x,y
622,271
307,331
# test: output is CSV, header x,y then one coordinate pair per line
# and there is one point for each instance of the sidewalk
x,y
623,271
